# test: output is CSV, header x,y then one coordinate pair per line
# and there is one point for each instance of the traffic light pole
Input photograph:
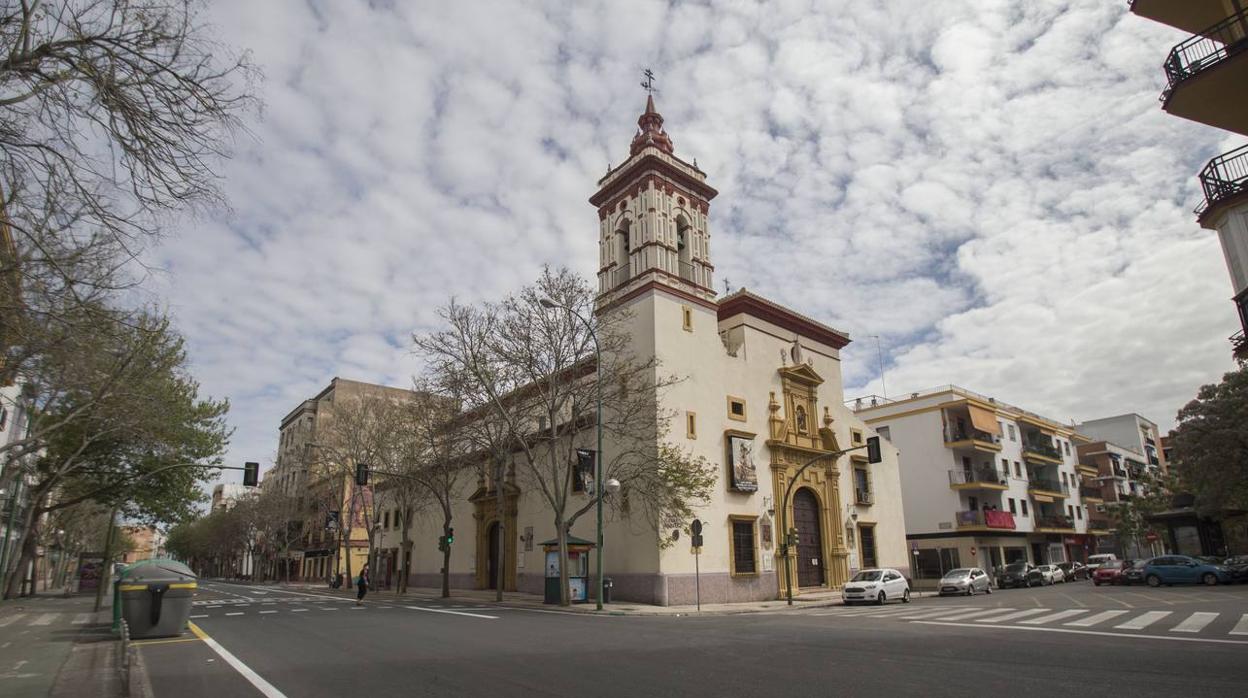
x,y
790,538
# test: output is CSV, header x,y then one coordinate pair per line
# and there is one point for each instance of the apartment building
x,y
1133,431
1205,77
985,483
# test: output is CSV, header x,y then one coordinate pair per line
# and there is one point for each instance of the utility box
x,y
578,569
156,597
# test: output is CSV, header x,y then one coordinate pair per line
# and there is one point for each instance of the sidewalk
x,y
56,646
807,600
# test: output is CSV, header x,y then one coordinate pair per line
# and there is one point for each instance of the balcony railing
x,y
687,272
1098,524
862,497
1239,342
1205,50
977,476
1224,177
988,519
1051,521
1049,486
955,435
1043,449
1089,491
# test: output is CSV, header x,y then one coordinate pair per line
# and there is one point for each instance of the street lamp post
x,y
873,456
599,485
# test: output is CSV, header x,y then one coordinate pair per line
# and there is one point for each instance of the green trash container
x,y
156,597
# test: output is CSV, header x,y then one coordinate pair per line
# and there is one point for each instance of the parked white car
x,y
876,586
1051,574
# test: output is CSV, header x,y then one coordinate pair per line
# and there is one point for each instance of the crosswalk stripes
x,y
1143,621
81,619
969,614
1095,619
1241,628
9,620
45,619
1012,616
1060,615
918,615
1194,623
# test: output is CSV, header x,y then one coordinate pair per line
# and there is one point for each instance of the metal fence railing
x,y
1224,177
1205,50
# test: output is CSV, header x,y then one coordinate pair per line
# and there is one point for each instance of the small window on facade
x,y
1070,510
1066,444
691,425
743,561
1023,502
4,417
862,486
1013,508
686,318
385,520
1018,469
1079,513
736,408
885,433
866,538
856,436
1011,428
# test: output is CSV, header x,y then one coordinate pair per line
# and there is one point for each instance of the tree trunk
x,y
13,582
500,498
565,596
406,560
446,555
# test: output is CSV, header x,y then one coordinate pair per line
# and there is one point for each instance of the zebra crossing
x,y
38,619
239,607
1232,625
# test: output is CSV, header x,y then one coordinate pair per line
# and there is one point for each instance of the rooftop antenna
x,y
727,287
879,353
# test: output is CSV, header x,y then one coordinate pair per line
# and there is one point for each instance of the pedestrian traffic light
x,y
873,449
361,474
251,474
450,536
442,543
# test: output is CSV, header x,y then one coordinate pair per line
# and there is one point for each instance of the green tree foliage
x,y
1211,446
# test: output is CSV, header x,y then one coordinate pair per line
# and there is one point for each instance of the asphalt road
x,y
1046,641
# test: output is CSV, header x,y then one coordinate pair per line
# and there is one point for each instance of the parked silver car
x,y
965,580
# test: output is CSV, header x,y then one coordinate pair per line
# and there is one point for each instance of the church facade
x,y
761,395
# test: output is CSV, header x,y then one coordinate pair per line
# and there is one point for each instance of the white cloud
x,y
989,186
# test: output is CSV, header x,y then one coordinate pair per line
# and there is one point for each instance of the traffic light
x,y
361,474
442,543
450,536
873,449
251,474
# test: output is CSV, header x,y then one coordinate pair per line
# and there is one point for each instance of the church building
x,y
761,395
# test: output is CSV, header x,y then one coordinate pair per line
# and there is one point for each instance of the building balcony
x,y
1190,16
1089,470
1040,451
978,479
1048,488
972,438
1239,345
1224,182
1206,74
1099,526
994,520
1090,493
1054,524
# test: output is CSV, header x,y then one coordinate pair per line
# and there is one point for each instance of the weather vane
x,y
649,81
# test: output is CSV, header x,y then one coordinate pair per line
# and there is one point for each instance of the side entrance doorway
x,y
810,564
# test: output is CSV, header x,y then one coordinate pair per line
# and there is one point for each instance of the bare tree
x,y
400,468
535,368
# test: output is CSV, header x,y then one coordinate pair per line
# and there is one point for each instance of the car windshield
x,y
1016,567
868,576
1112,565
957,574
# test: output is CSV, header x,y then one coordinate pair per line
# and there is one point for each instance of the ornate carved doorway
x,y
810,562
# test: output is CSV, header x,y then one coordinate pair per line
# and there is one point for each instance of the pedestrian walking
x,y
361,586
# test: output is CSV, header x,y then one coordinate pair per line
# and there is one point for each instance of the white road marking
x,y
385,606
1101,633
1194,623
81,619
45,619
876,612
1241,628
453,613
1060,615
267,689
202,615
9,620
1095,619
239,613
264,612
1141,622
298,610
972,614
1012,616
944,611
328,608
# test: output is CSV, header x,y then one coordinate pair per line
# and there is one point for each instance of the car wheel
x,y
879,600
1097,583
905,596
1209,579
970,589
1153,580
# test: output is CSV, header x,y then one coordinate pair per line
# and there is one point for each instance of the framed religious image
x,y
741,457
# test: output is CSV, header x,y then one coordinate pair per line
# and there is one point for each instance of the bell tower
x,y
652,219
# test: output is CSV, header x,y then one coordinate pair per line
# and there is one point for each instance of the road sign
x,y
1151,537
696,541
696,527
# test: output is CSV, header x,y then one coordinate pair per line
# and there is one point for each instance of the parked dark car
x,y
1133,572
1019,574
1073,571
1238,565
1110,572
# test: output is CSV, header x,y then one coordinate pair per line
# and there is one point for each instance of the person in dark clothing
x,y
362,586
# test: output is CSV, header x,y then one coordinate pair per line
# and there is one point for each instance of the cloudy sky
x,y
990,187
